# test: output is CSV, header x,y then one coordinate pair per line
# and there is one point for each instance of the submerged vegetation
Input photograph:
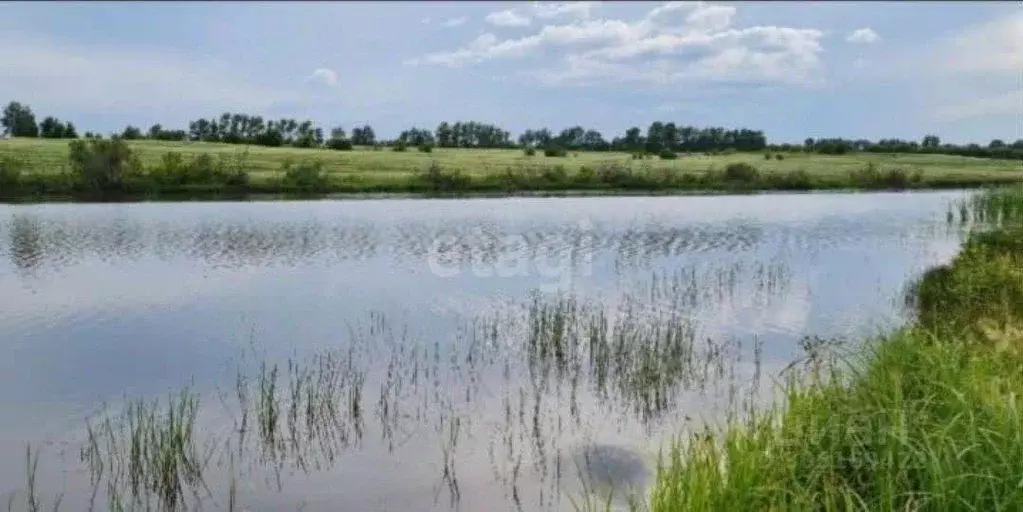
x,y
928,418
554,360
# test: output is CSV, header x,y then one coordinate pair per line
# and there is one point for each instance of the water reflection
x,y
35,240
26,246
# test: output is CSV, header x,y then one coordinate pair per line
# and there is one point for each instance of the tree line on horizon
x,y
18,120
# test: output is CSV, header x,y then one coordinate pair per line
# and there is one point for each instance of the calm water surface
x,y
464,329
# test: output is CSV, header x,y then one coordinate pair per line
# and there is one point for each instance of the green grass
x,y
44,170
928,418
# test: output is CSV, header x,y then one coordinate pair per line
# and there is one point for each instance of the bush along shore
x,y
109,169
927,418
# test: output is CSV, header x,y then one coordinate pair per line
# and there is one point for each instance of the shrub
x,y
897,178
873,176
426,148
555,151
688,179
10,174
585,175
741,171
779,156
638,155
399,147
172,170
530,151
305,177
793,180
767,156
437,179
614,174
103,165
668,155
340,144
520,178
556,174
232,171
201,170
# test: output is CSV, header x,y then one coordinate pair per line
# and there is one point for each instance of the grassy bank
x,y
36,168
930,418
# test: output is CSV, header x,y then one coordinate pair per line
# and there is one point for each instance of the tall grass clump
x,y
148,454
927,418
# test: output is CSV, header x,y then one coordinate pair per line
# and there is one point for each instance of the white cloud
x,y
550,10
1006,104
123,79
863,36
325,76
674,41
507,18
454,22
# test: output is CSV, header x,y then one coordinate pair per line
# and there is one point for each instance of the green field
x,y
482,170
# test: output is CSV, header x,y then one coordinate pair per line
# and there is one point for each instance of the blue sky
x,y
796,70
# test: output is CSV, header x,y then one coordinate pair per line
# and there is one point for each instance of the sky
x,y
795,70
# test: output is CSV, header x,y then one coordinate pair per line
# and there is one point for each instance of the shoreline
x,y
257,195
883,427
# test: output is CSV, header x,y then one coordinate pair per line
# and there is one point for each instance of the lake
x,y
473,354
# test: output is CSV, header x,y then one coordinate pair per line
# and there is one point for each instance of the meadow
x,y
44,167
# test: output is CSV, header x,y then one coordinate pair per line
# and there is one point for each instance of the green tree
x,y
363,136
51,128
19,121
655,137
633,140
444,133
131,133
